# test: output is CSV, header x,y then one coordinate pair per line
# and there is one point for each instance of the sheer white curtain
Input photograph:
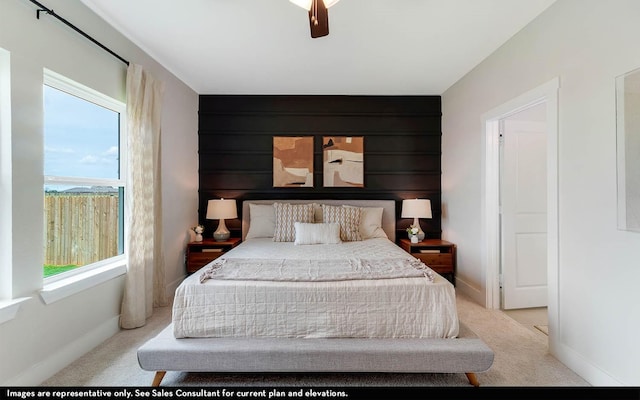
x,y
144,282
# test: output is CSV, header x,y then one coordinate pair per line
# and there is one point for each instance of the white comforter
x,y
412,307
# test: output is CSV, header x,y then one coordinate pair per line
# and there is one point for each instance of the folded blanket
x,y
314,270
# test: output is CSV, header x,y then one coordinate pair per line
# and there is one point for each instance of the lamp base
x,y
221,237
416,222
222,233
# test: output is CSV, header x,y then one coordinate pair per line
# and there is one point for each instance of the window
x,y
84,178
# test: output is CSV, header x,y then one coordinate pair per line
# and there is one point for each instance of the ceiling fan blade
x,y
318,19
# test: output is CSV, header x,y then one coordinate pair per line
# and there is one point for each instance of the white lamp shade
x,y
221,209
306,4
416,208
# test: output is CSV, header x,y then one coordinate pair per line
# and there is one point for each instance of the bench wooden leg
x,y
473,379
158,378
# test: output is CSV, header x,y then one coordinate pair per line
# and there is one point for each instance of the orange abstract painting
x,y
293,161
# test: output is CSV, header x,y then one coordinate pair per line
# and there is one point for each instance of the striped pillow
x,y
286,215
347,217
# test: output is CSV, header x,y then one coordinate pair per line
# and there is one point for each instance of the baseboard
x,y
48,367
473,293
581,366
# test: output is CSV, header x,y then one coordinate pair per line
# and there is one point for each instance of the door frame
x,y
546,93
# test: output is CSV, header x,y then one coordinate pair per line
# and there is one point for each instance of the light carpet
x,y
521,359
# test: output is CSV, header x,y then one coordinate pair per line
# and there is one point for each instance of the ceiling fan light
x,y
306,4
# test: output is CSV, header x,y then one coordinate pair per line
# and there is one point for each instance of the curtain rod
x,y
69,24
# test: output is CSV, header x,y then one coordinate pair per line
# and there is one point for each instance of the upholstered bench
x,y
465,354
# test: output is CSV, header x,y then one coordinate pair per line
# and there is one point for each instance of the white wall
x,y
42,339
586,44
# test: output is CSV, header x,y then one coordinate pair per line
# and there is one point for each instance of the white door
x,y
523,192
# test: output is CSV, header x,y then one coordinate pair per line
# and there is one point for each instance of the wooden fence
x,y
80,228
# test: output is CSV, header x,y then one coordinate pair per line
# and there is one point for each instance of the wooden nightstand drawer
x,y
435,259
439,255
201,253
199,260
442,269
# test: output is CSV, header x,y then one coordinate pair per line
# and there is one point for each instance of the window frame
x,y
62,83
9,305
6,243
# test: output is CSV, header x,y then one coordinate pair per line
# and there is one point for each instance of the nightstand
x,y
200,254
439,255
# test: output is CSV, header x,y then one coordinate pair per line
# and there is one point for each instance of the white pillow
x,y
310,233
371,222
262,221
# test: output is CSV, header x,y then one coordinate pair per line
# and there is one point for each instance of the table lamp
x,y
221,209
417,208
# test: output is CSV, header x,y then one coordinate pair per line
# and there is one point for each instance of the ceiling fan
x,y
318,15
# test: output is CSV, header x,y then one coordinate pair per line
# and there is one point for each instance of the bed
x,y
316,286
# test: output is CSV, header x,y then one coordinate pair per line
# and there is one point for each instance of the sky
x,y
80,138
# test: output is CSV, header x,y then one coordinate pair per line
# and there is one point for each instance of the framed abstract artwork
x,y
293,161
343,161
628,150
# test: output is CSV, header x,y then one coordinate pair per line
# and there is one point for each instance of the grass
x,y
50,270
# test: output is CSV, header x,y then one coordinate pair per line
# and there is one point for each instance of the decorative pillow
x,y
325,233
347,217
262,221
371,222
317,212
286,215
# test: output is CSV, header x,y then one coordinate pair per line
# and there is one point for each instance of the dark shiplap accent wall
x,y
402,148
